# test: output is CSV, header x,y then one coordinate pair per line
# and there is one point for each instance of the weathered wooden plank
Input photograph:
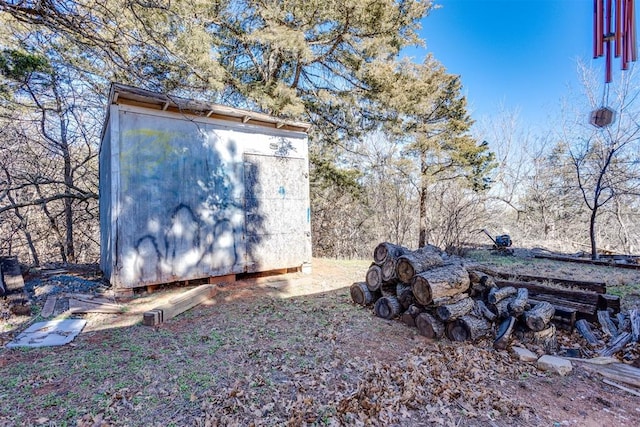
x,y
617,344
618,372
86,306
607,325
534,289
588,261
587,285
49,306
178,304
621,387
585,330
609,302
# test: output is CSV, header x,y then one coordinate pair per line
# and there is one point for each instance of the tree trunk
x,y
360,294
519,304
429,326
68,181
424,185
539,316
592,231
450,312
385,251
25,230
416,262
387,307
498,294
467,328
440,282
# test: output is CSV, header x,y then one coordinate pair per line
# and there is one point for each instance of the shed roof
x,y
129,95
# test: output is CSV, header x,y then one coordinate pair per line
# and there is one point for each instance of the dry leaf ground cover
x,y
294,353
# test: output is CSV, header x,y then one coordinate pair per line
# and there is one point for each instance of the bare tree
x,y
49,150
606,160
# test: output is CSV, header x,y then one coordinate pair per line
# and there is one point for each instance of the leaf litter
x,y
261,360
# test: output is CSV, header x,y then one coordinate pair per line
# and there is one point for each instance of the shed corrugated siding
x,y
106,245
180,199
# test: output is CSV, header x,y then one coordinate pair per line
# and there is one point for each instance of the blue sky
x,y
512,54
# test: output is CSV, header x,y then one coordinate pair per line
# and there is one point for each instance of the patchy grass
x,y
300,354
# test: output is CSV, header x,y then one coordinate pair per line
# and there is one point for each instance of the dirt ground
x,y
293,350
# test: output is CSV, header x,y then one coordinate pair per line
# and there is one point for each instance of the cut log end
x,y
468,328
457,331
374,278
387,307
360,294
539,316
429,326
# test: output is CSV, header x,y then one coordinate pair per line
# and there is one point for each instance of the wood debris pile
x,y
14,300
445,296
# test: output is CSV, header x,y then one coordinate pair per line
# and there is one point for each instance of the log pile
x,y
442,296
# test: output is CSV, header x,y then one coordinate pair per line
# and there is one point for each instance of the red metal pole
x,y
618,28
607,72
598,30
632,31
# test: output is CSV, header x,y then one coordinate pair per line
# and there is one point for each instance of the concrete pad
x,y
555,364
524,354
52,333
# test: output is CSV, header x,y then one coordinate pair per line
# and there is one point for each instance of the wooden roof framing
x,y
129,95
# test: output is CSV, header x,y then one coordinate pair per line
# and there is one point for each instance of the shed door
x,y
276,206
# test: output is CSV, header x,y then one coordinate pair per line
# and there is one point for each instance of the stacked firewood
x,y
441,296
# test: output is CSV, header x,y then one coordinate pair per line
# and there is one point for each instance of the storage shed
x,y
191,190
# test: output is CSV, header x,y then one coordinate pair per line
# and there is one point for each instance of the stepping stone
x,y
555,364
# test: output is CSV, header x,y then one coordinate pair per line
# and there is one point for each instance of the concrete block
x,y
524,355
555,364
